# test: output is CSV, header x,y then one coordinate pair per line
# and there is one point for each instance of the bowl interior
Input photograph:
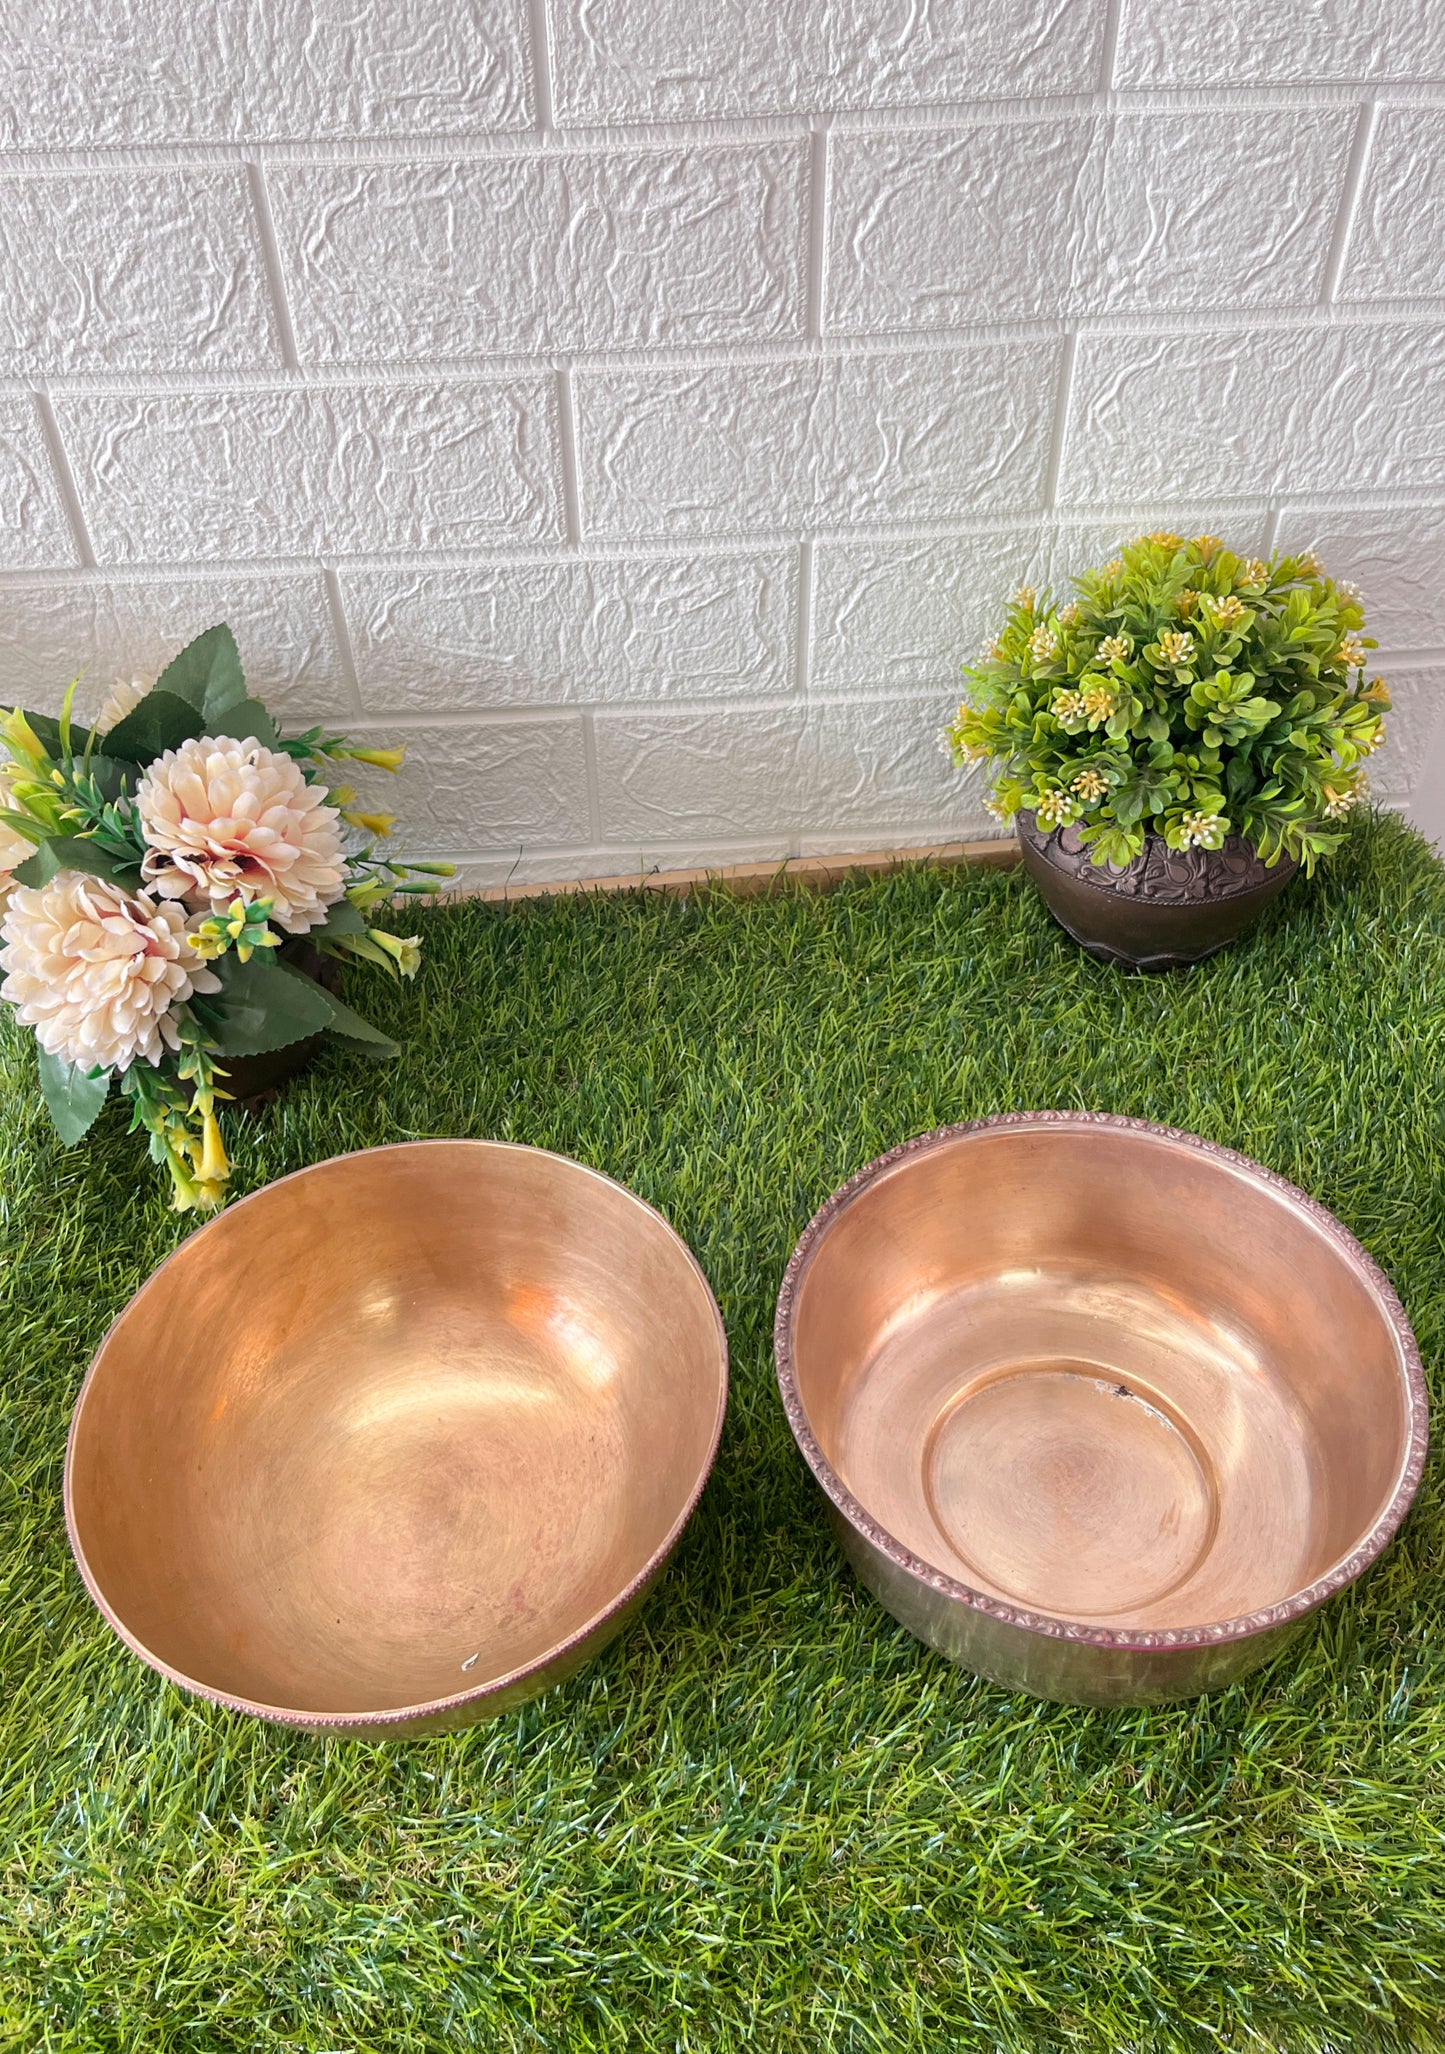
x,y
395,1427
1104,1374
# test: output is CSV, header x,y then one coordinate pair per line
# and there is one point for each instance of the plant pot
x,y
1167,907
255,1080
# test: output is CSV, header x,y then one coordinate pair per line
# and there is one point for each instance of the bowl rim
x,y
1208,1634
393,1720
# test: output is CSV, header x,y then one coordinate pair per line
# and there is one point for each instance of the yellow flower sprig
x,y
241,927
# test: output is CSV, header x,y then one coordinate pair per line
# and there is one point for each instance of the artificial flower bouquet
x,y
157,871
1186,692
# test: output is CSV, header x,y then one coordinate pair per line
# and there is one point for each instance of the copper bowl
x,y
1101,1410
397,1441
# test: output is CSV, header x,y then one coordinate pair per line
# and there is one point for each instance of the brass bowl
x,y
1101,1410
398,1441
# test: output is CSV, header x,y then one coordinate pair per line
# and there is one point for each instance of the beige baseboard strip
x,y
748,880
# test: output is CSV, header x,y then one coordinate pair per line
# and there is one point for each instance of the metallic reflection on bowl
x,y
1101,1410
400,1440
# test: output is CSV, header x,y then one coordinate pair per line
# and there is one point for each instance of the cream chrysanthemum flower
x,y
96,971
14,849
1043,643
124,699
227,820
1176,647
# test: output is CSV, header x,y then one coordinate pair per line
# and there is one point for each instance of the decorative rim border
x,y
1335,1579
1034,837
393,1722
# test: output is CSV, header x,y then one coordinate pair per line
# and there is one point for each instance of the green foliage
x,y
76,852
207,675
1185,692
261,1006
73,1096
766,1820
161,721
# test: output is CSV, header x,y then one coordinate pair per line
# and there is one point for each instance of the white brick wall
x,y
642,407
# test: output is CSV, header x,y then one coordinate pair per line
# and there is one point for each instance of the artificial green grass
x,y
765,1818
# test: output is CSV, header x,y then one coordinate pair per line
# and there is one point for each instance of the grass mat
x,y
766,1818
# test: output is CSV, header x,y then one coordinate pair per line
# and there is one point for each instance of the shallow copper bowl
x,y
397,1441
1102,1410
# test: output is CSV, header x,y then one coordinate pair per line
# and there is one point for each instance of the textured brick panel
x,y
1269,42
661,60
918,437
110,71
175,476
1418,699
533,253
1397,560
1161,211
132,270
829,769
924,225
33,527
547,633
909,613
503,786
1345,409
1397,249
120,629
1216,210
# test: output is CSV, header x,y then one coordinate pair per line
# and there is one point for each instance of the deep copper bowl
x,y
397,1441
1101,1410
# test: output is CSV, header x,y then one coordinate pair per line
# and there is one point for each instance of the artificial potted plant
x,y
1177,741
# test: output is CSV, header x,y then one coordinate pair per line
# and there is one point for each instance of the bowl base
x,y
1068,1490
1074,1445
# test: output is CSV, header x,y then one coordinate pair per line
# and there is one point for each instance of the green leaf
x,y
207,675
261,1005
112,779
72,1095
162,720
47,733
76,852
342,918
357,1034
246,721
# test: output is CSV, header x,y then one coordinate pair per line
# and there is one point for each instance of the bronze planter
x,y
1168,907
1100,1409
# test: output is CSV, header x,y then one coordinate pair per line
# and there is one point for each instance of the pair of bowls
x,y
1099,1409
